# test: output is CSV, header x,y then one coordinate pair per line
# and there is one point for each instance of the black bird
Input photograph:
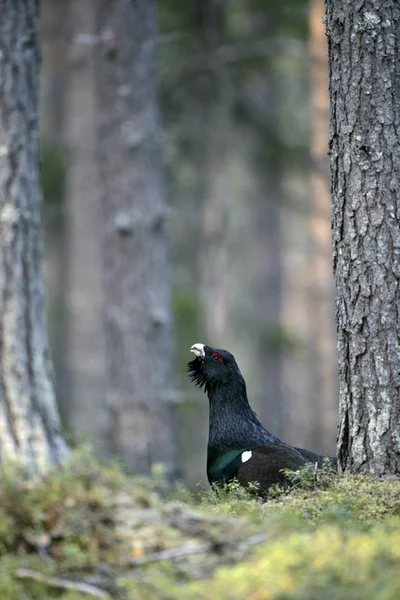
x,y
238,445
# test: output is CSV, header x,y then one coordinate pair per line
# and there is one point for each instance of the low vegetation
x,y
88,530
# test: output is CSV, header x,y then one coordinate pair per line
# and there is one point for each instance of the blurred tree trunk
x,y
86,411
321,291
214,188
53,30
54,24
365,166
240,275
29,423
267,297
137,277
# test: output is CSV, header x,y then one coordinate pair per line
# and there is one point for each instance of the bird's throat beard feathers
x,y
196,374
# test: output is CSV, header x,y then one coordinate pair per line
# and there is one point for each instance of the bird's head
x,y
213,367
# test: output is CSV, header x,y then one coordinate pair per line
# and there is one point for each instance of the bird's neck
x,y
233,424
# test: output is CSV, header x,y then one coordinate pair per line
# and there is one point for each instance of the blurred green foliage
x,y
53,171
243,54
187,313
277,338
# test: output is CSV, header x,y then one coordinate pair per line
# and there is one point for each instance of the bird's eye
x,y
217,357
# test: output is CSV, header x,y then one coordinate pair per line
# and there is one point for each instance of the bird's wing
x,y
265,464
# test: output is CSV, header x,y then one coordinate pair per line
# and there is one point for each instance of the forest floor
x,y
88,530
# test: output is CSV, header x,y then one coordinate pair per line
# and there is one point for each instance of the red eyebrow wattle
x,y
216,355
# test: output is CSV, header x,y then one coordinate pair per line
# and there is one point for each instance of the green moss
x,y
67,515
335,537
322,495
328,563
317,496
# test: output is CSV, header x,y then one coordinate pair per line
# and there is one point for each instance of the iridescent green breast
x,y
222,465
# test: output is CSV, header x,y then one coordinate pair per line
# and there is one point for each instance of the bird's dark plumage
x,y
239,446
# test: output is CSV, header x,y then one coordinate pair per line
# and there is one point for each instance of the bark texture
x,y
364,47
29,423
137,277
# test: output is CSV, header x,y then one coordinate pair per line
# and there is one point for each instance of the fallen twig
x,y
168,554
188,550
88,588
256,539
66,584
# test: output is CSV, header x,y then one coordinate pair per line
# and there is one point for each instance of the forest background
x,y
243,88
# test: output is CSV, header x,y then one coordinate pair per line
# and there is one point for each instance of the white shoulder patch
x,y
246,455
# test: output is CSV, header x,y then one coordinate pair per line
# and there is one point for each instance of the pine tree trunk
x,y
135,250
86,411
364,41
29,423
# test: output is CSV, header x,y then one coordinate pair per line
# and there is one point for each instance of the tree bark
x,y
137,278
364,42
29,422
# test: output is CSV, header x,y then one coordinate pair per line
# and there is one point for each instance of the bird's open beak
x,y
198,350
